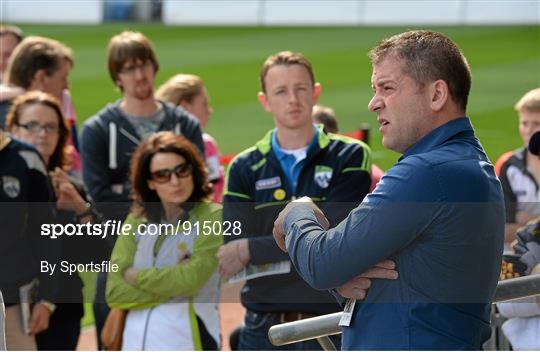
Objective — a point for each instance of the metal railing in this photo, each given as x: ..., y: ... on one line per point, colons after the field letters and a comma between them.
x: 322, y: 326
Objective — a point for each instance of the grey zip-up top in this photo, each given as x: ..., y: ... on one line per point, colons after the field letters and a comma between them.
x: 108, y: 140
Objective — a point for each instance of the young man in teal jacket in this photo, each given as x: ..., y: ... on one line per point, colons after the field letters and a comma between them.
x: 293, y: 160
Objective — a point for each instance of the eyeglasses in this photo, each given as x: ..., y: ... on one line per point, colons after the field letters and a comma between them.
x: 164, y: 175
x: 131, y: 69
x: 35, y: 127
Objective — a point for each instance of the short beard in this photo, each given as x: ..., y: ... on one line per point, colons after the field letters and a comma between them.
x: 145, y: 94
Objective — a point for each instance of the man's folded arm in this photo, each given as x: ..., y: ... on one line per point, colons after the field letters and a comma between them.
x: 386, y: 222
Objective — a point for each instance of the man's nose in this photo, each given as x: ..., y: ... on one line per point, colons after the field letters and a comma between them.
x: 139, y: 72
x: 375, y: 104
x: 293, y: 97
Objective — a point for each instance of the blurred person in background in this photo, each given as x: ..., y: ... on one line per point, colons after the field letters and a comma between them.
x: 520, y: 169
x: 43, y: 64
x: 110, y: 137
x: 168, y: 280
x: 189, y: 92
x: 25, y: 204
x: 327, y: 116
x: 37, y: 119
x: 523, y: 325
x: 10, y: 36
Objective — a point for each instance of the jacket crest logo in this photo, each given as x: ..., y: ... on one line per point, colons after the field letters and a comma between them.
x: 323, y: 175
x: 268, y: 183
x: 11, y: 185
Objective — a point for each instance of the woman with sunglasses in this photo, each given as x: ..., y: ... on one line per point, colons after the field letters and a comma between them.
x: 37, y: 119
x: 189, y: 92
x: 167, y: 277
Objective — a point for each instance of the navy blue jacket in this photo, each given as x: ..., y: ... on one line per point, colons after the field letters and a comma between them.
x: 439, y: 214
x: 26, y: 202
x: 336, y: 174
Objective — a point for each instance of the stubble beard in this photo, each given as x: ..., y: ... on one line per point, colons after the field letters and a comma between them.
x: 144, y: 93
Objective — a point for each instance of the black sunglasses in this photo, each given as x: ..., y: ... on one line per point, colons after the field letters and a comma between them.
x: 164, y: 175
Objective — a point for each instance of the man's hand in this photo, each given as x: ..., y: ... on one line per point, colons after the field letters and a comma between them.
x: 357, y: 286
x: 67, y: 197
x: 233, y: 257
x: 279, y: 224
x: 39, y: 320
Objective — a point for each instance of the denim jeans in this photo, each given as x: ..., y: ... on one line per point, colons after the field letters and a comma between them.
x: 254, y: 335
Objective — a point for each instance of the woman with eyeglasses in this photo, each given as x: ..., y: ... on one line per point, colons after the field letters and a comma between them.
x: 167, y: 268
x: 37, y: 119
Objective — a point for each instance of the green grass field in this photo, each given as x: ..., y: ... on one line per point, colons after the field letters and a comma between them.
x: 505, y: 62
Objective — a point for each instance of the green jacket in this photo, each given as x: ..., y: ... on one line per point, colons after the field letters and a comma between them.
x: 157, y: 285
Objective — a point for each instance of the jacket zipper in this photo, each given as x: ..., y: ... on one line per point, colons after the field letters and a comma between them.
x: 151, y: 309
x: 146, y: 328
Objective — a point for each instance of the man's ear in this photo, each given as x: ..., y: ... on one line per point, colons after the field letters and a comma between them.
x: 38, y: 81
x: 317, y: 89
x: 264, y: 102
x: 439, y: 95
x: 151, y: 185
x: 184, y: 104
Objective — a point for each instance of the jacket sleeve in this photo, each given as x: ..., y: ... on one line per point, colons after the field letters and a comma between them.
x: 373, y: 231
x: 94, y: 149
x: 41, y: 205
x: 238, y: 205
x: 510, y: 198
x: 521, y: 308
x: 83, y: 249
x: 188, y: 278
x: 351, y: 184
x: 119, y: 293
x: 263, y: 250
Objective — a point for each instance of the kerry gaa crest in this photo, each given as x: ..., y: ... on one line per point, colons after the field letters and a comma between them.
x: 11, y: 186
x: 323, y: 175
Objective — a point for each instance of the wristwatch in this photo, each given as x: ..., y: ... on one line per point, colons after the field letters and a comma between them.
x: 88, y: 212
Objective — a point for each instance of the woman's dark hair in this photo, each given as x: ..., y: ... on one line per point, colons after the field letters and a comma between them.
x: 146, y: 201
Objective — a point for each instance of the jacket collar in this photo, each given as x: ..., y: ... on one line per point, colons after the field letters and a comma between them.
x: 119, y: 118
x: 265, y: 144
x: 440, y: 135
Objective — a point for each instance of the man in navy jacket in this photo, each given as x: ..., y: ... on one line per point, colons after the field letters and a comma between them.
x: 438, y: 212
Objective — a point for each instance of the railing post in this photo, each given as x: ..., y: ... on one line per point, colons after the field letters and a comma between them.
x: 326, y: 343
